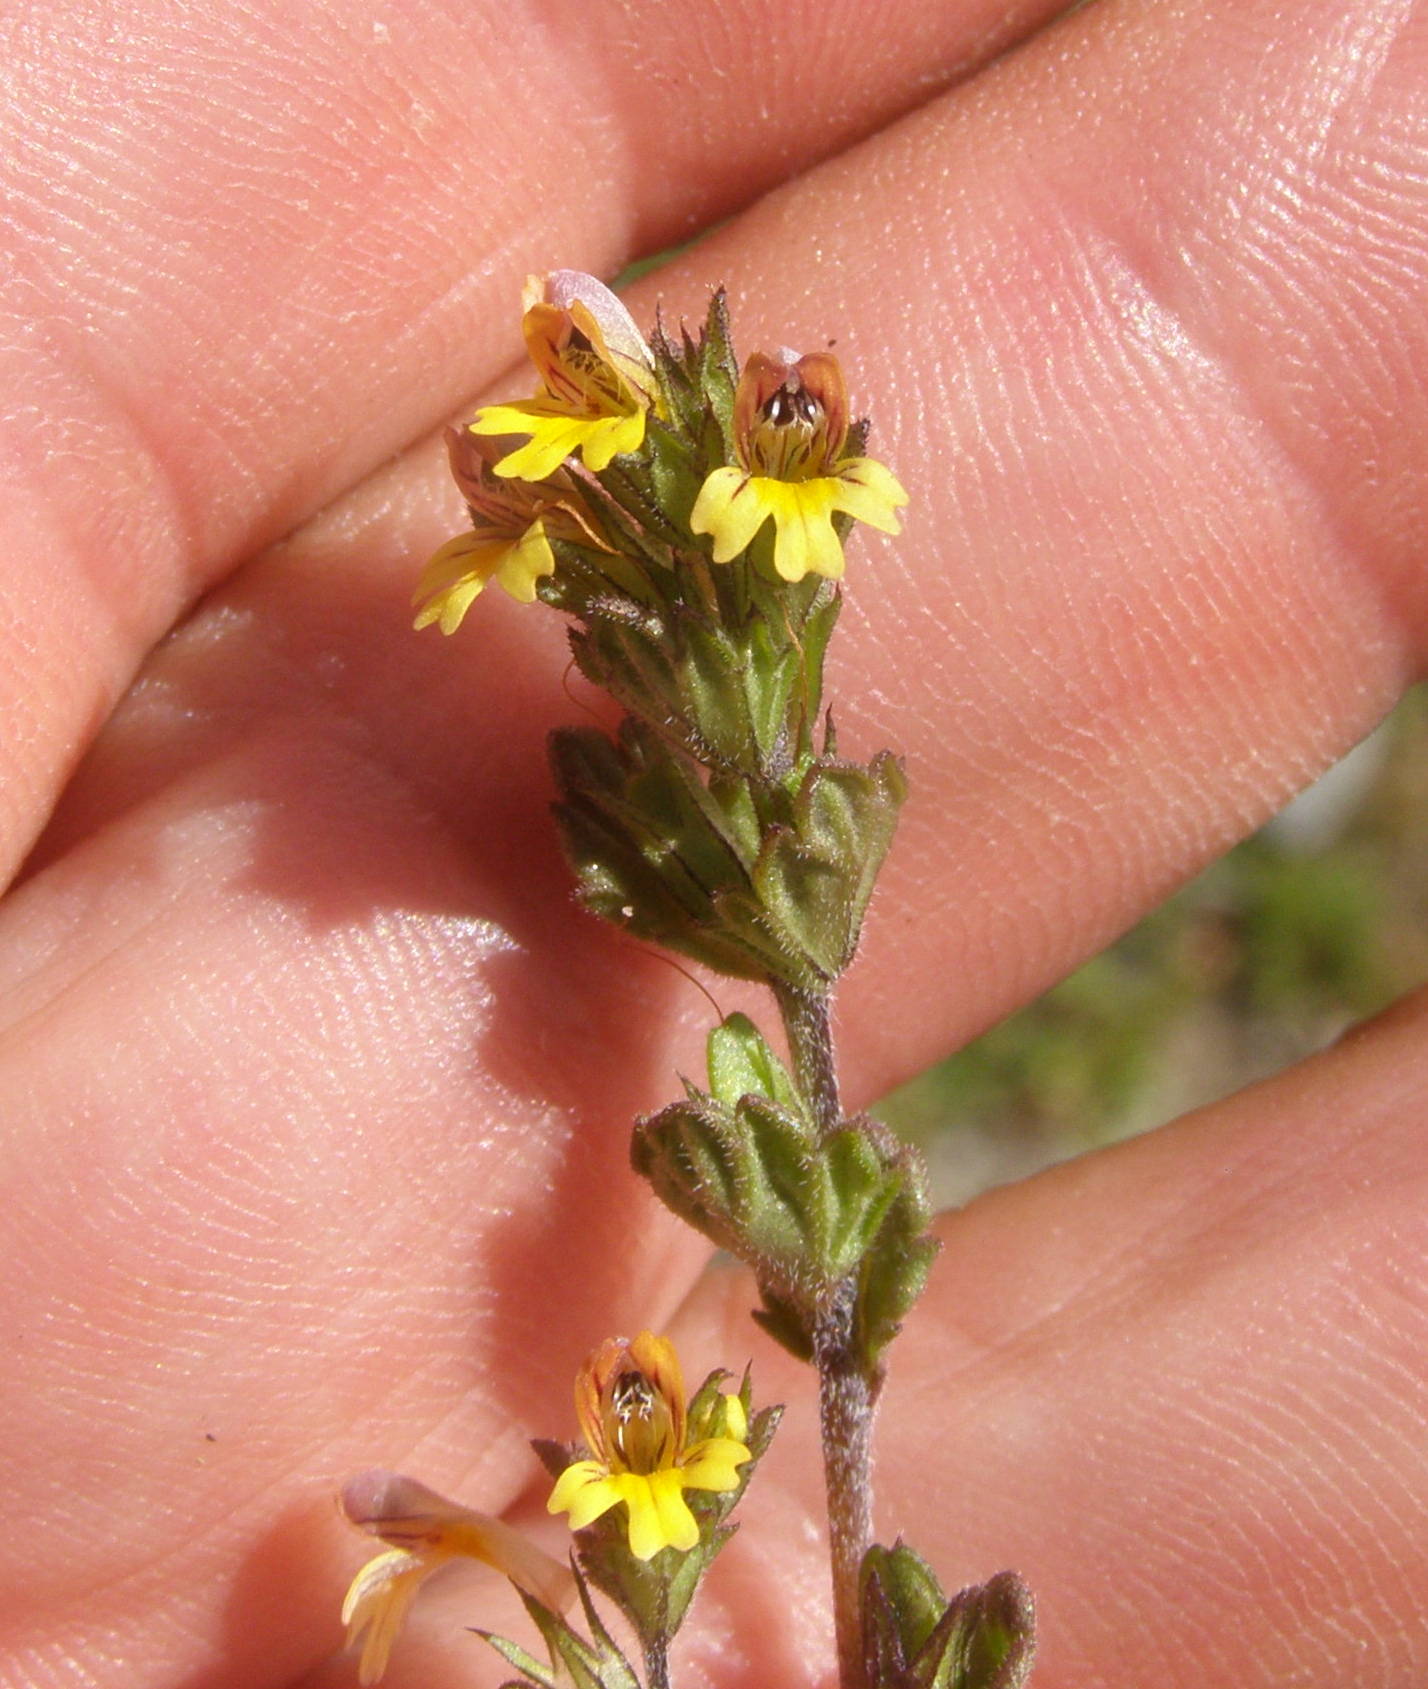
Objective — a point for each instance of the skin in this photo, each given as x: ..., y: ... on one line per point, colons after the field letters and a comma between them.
x: 315, y: 1091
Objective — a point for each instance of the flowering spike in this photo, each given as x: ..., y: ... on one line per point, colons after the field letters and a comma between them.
x: 719, y: 820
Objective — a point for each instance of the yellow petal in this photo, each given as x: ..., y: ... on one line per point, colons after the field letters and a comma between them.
x: 584, y: 1490
x: 557, y: 433
x: 678, y: 1525
x: 454, y: 578
x: 713, y: 1464
x: 659, y: 1515
x: 646, y: 1533
x: 377, y: 1604
x: 802, y: 512
x: 731, y: 509
x: 525, y: 563
x: 460, y: 571
x: 736, y: 1421
x: 518, y: 415
x: 467, y: 554
x: 606, y: 436
x: 870, y: 492
x: 554, y: 436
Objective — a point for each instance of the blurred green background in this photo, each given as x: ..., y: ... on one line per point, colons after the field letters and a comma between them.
x: 1319, y: 919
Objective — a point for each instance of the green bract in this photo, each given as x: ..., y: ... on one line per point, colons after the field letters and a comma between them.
x: 915, y: 1638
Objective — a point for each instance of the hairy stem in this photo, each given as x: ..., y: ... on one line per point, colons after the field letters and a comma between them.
x: 810, y: 1043
x: 845, y: 1406
x: 845, y: 1388
x: 657, y: 1661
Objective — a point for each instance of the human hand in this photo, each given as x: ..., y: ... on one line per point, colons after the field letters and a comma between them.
x: 316, y: 1088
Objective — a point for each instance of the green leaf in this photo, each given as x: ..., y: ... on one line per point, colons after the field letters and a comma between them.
x: 806, y: 1214
x: 817, y: 631
x: 787, y: 1322
x: 899, y: 1256
x: 733, y: 797
x: 735, y: 872
x: 769, y: 675
x: 513, y: 1654
x: 914, y: 1638
x: 656, y: 851
x: 735, y: 1174
x: 718, y: 376
x: 902, y: 1600
x: 985, y: 1640
x: 592, y: 1664
x: 741, y: 1064
x: 734, y: 686
x: 863, y: 1188
x: 755, y: 879
x: 675, y: 473
x: 814, y: 877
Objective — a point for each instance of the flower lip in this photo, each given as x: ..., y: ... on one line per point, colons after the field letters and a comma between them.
x: 512, y: 525
x: 597, y: 380
x: 500, y: 506
x: 409, y: 1517
x: 395, y: 1508
x: 585, y: 344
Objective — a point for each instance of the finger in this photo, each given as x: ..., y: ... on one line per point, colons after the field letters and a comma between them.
x: 1151, y: 367
x: 1129, y: 614
x: 1178, y: 1385
x: 1285, y: 743
x: 253, y: 1242
x: 250, y: 258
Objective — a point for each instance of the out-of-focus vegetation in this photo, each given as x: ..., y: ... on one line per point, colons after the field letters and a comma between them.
x: 1316, y: 921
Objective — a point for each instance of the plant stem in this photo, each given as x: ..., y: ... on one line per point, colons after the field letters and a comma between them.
x: 845, y: 1388
x: 845, y: 1408
x: 810, y: 1043
x: 656, y: 1662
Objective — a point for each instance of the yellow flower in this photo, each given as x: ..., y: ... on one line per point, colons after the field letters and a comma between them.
x: 629, y: 1400
x: 509, y: 542
x: 427, y: 1532
x: 597, y: 379
x: 790, y: 427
